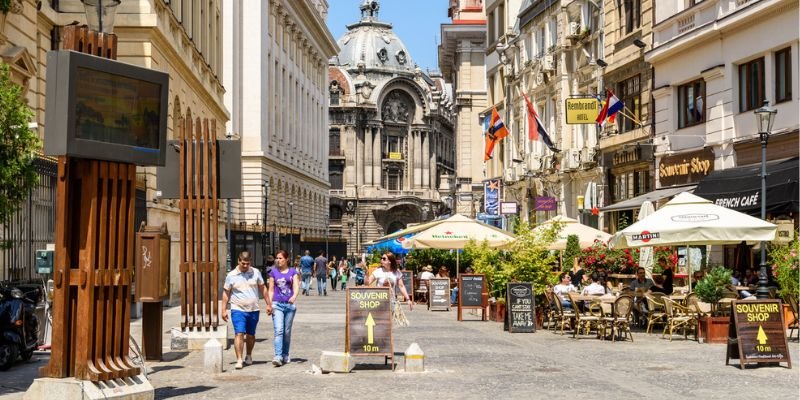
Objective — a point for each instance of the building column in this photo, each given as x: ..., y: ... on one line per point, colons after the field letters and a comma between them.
x: 418, y: 160
x: 368, y: 162
x: 432, y: 162
x: 377, y: 156
x: 426, y: 165
x: 359, y: 161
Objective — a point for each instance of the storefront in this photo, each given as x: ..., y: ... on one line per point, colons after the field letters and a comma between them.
x: 629, y: 176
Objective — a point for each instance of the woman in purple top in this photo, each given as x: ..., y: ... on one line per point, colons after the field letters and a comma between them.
x: 284, y: 283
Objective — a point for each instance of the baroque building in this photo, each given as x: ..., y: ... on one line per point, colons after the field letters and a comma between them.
x: 391, y: 142
x: 462, y: 62
x: 277, y: 93
x: 181, y: 38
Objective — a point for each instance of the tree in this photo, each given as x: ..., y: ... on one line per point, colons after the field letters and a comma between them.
x: 18, y: 147
x: 571, y: 252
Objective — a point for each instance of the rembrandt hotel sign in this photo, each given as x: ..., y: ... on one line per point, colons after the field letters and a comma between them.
x: 685, y: 168
x: 582, y: 110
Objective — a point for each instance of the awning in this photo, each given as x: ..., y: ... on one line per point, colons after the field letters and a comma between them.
x: 740, y: 188
x: 653, y: 196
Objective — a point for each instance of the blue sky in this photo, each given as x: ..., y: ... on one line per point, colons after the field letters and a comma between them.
x: 416, y: 22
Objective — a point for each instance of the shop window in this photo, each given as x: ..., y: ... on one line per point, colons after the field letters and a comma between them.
x: 783, y: 75
x: 630, y: 94
x: 691, y: 103
x: 751, y: 85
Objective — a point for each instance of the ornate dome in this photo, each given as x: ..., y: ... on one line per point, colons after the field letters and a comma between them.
x: 373, y: 43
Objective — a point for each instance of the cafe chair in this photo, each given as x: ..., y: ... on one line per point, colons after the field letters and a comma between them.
x: 678, y: 317
x: 619, y: 321
x: 583, y: 319
x: 657, y: 315
x: 693, y: 303
x: 551, y: 313
x: 421, y: 292
x: 564, y: 317
x: 793, y: 325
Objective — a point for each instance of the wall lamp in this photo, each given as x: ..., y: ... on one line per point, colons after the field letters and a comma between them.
x: 639, y: 43
x: 602, y: 63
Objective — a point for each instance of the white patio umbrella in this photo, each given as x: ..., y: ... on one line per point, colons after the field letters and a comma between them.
x: 586, y: 234
x: 646, y: 253
x: 455, y: 232
x: 691, y: 220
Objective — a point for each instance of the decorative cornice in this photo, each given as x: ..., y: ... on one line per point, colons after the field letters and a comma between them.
x: 715, y: 72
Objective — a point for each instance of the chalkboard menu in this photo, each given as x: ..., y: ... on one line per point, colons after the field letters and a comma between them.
x: 368, y: 321
x: 439, y: 294
x: 408, y: 282
x: 756, y: 333
x: 472, y: 293
x: 520, y: 304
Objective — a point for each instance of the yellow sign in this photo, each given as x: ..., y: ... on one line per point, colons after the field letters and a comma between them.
x: 395, y: 156
x: 582, y: 110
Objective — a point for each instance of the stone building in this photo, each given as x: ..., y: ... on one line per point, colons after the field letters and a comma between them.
x: 391, y: 141
x: 461, y: 60
x: 277, y: 94
x: 181, y: 38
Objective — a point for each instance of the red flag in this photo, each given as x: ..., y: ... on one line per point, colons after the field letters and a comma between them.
x: 533, y: 131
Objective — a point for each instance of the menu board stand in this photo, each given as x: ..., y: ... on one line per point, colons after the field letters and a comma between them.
x: 408, y: 282
x: 757, y: 333
x: 439, y: 294
x: 472, y: 294
x: 520, y: 306
x: 368, y: 323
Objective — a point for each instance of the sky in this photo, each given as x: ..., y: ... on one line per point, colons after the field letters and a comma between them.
x: 416, y: 22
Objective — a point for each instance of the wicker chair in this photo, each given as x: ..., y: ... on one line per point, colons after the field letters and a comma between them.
x: 620, y: 318
x: 656, y: 315
x: 678, y: 317
x: 694, y: 304
x: 422, y: 291
x: 583, y: 319
x: 563, y: 317
x: 793, y: 325
x: 551, y: 313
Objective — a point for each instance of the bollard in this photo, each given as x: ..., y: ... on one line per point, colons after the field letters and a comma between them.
x: 334, y: 361
x: 414, y: 359
x: 212, y: 357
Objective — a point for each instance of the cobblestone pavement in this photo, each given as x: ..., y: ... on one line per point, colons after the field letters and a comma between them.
x: 464, y: 360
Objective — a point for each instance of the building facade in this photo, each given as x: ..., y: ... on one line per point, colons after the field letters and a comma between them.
x: 391, y: 140
x: 461, y: 60
x: 180, y: 38
x: 278, y: 97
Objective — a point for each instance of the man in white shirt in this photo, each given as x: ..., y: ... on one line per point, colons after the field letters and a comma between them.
x: 427, y: 273
x: 595, y: 288
x: 563, y: 288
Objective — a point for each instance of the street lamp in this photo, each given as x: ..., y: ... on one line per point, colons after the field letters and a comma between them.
x: 765, y: 117
x: 291, y: 233
x: 350, y: 229
x: 100, y: 14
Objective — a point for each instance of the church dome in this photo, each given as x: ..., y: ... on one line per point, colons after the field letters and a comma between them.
x: 372, y: 42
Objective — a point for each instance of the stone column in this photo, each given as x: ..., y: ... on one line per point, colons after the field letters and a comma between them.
x: 418, y: 160
x: 426, y: 165
x: 368, y: 156
x: 377, y: 156
x: 433, y: 167
x: 348, y: 143
x: 359, y: 161
x: 409, y: 161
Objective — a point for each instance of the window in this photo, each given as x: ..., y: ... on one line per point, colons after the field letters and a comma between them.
x: 334, y: 139
x: 393, y: 181
x: 335, y: 212
x: 335, y: 97
x: 335, y: 178
x: 691, y: 103
x: 501, y: 23
x: 490, y: 28
x: 630, y: 94
x: 751, y: 85
x: 633, y: 12
x: 783, y: 75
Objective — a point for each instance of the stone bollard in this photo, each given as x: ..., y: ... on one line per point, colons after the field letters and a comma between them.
x: 212, y: 357
x: 414, y: 359
x: 334, y: 361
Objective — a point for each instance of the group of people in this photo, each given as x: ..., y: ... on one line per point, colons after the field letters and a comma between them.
x: 427, y: 274
x: 322, y: 269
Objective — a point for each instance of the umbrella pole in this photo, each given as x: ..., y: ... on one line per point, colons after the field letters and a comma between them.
x: 689, y: 268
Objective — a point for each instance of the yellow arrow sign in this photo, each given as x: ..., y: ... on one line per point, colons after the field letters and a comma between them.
x: 762, y: 336
x: 370, y: 328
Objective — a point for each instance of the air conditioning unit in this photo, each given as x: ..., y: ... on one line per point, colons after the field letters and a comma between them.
x: 587, y: 156
x: 574, y: 30
x: 549, y: 63
x: 571, y: 160
x: 510, y: 175
x: 534, y: 164
x: 547, y: 163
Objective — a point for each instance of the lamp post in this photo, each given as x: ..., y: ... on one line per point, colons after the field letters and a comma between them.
x: 291, y: 233
x: 350, y: 229
x: 264, y: 235
x: 765, y: 117
x: 100, y: 14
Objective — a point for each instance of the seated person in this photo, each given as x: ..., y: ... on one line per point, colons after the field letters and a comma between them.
x: 750, y: 278
x: 564, y: 287
x: 427, y: 273
x: 743, y: 294
x: 697, y: 276
x: 594, y: 288
x: 664, y: 283
x: 641, y: 281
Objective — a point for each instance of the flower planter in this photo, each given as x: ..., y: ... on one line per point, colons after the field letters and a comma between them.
x: 788, y: 317
x: 713, y: 329
x: 497, y: 311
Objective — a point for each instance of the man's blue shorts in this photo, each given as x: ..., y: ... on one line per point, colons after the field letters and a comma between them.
x: 244, y: 321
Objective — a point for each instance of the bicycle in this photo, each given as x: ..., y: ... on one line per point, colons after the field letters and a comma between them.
x: 135, y: 355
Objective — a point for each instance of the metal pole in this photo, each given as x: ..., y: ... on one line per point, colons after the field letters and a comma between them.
x: 762, y: 292
x: 229, y: 256
x: 264, y: 231
x: 327, y: 232
x: 291, y: 232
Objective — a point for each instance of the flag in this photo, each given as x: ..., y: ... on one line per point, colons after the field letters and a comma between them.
x: 495, y: 133
x: 610, y: 109
x: 536, y: 127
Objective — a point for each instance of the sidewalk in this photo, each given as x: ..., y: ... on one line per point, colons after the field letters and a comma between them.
x: 464, y: 360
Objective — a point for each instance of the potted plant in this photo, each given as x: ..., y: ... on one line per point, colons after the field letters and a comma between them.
x: 571, y: 252
x: 711, y: 289
x: 785, y: 262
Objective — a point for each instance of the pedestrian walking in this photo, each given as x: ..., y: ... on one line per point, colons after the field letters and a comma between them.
x: 389, y: 275
x: 333, y: 271
x: 241, y: 289
x: 344, y: 274
x: 306, y: 268
x: 284, y: 283
x: 321, y: 272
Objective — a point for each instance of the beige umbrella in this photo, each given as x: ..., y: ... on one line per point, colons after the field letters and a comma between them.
x: 646, y: 253
x: 586, y: 234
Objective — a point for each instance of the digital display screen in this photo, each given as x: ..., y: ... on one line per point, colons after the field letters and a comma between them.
x: 116, y: 109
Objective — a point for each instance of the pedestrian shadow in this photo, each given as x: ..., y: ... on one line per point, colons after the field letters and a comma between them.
x: 173, y: 355
x: 160, y: 368
x: 172, y: 391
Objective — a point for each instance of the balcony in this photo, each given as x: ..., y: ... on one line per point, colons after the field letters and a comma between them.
x: 392, y: 157
x: 673, y: 22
